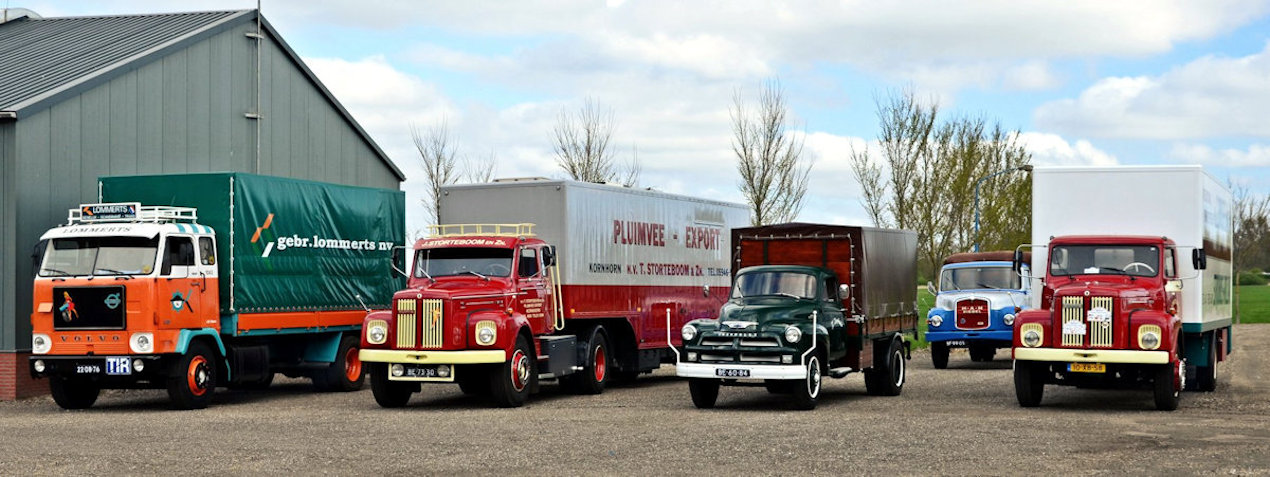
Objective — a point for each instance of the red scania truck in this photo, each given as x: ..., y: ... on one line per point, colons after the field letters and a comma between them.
x: 544, y: 279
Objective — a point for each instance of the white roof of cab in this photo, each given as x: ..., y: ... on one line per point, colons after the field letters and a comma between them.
x: 118, y: 229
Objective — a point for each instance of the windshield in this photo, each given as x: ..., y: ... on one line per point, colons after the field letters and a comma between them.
x: 791, y: 284
x: 99, y: 256
x: 1133, y: 260
x: 978, y: 278
x: 444, y: 262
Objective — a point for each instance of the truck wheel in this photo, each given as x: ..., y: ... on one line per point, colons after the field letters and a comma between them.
x: 807, y: 390
x: 1206, y: 376
x: 596, y: 369
x: 1028, y: 383
x: 192, y: 380
x: 939, y: 354
x: 345, y: 374
x: 510, y: 382
x: 473, y: 380
x: 887, y: 378
x: 704, y: 392
x: 1169, y: 380
x: 73, y: 393
x: 389, y: 393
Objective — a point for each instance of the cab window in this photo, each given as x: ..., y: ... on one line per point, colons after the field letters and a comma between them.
x: 180, y: 253
x: 528, y: 262
x: 1169, y: 268
x: 206, y: 251
x: 831, y: 289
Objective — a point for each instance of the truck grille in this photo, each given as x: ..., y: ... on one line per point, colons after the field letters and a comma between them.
x: 1098, y: 332
x: 972, y: 314
x: 420, y: 323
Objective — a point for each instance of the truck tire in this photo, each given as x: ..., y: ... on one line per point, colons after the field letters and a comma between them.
x: 1166, y: 385
x: 704, y: 392
x: 1029, y: 384
x: 72, y: 393
x: 596, y: 369
x: 192, y: 380
x: 388, y: 393
x: 510, y: 382
x: 1206, y: 376
x: 346, y: 373
x: 473, y: 380
x: 807, y: 390
x: 939, y: 354
x: 889, y: 372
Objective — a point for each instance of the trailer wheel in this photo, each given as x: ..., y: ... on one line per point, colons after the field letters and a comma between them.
x: 1168, y: 383
x: 1028, y: 383
x: 596, y: 368
x: 346, y: 373
x: 389, y: 393
x: 704, y: 392
x: 1206, y: 376
x: 510, y: 382
x: 192, y: 380
x: 939, y: 354
x: 807, y: 390
x: 887, y: 378
x: 72, y: 393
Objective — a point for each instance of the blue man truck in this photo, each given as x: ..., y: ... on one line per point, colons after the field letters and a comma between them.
x: 975, y: 304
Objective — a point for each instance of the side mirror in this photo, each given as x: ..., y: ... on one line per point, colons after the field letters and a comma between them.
x: 397, y: 254
x: 1018, y: 261
x: 549, y: 256
x: 1199, y: 259
x: 930, y: 287
x: 844, y: 292
x: 705, y: 291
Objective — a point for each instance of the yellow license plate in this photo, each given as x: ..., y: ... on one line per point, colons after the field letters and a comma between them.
x: 1087, y: 368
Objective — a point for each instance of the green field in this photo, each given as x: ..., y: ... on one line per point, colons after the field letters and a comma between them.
x: 1254, y: 304
x: 924, y: 303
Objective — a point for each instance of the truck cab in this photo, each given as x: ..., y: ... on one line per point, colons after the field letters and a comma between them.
x: 1109, y: 318
x: 976, y: 301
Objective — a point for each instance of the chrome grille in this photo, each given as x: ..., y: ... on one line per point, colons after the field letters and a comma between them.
x: 406, y: 323
x: 1073, y: 310
x: 713, y: 341
x: 751, y: 358
x: 760, y: 342
x: 432, y: 324
x: 1100, y: 332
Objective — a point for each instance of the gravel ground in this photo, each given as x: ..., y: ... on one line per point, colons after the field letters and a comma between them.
x: 962, y: 420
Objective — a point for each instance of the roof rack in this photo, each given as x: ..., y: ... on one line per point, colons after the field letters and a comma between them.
x: 131, y: 212
x: 497, y: 230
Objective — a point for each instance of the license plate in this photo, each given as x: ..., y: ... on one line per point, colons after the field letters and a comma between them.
x: 87, y: 369
x: 732, y: 373
x: 1087, y: 367
x: 118, y: 366
x: 955, y: 343
x: 421, y: 372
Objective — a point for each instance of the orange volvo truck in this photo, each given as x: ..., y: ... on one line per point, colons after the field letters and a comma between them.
x: 219, y: 279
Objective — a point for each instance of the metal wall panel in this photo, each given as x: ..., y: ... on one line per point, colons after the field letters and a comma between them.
x: 8, y: 253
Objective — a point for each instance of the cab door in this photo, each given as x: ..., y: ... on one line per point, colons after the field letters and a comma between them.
x: 180, y: 285
x: 534, y: 289
x: 208, y: 291
x: 833, y: 318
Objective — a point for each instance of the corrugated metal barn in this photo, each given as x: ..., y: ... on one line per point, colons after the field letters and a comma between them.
x: 83, y: 97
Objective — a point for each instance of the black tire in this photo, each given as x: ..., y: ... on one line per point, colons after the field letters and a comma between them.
x: 388, y: 393
x: 1206, y: 376
x: 704, y: 392
x: 1029, y: 383
x: 807, y: 390
x: 473, y: 380
x: 192, y: 380
x: 510, y: 382
x: 72, y: 393
x: 597, y: 368
x: 1167, y: 393
x: 939, y: 354
x: 346, y: 373
x: 889, y: 372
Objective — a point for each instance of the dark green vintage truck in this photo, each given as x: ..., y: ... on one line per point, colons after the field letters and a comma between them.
x: 808, y: 301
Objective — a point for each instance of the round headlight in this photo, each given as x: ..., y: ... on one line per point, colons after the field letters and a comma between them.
x: 486, y: 331
x: 40, y: 343
x: 793, y: 334
x: 935, y: 321
x: 38, y: 365
x: 398, y: 370
x: 141, y: 342
x: 377, y: 332
x: 1008, y: 319
x: 1031, y: 338
x: 688, y: 332
x: 138, y: 365
x: 443, y: 370
x: 1150, y: 340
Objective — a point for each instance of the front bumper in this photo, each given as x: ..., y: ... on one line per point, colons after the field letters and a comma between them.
x: 432, y: 357
x: 1003, y: 336
x: 757, y: 371
x: 1091, y: 355
x: 94, y: 368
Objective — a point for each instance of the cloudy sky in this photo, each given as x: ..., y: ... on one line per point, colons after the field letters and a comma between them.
x: 1085, y: 82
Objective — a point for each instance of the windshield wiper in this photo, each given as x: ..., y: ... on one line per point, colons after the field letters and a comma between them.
x: 112, y: 271
x: 475, y: 273
x: 54, y: 270
x: 987, y: 287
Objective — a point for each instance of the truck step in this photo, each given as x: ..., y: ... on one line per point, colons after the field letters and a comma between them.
x: 840, y: 372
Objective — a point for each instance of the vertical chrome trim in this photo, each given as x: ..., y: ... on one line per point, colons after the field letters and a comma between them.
x: 1073, y: 310
x: 1100, y: 332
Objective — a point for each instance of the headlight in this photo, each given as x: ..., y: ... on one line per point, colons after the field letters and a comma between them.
x: 1031, y: 335
x: 41, y: 343
x: 377, y: 332
x: 397, y: 370
x: 142, y: 342
x: 1149, y: 337
x: 1008, y: 319
x: 688, y: 332
x: 443, y: 370
x: 138, y: 365
x: 793, y: 334
x: 38, y: 365
x: 486, y: 332
x: 935, y: 321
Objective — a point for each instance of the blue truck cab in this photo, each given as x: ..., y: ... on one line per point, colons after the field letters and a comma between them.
x: 978, y: 296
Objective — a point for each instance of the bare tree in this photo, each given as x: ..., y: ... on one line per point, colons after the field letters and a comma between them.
x: 440, y: 166
x: 481, y: 168
x: 582, y: 146
x: 773, y: 171
x: 1252, y: 230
